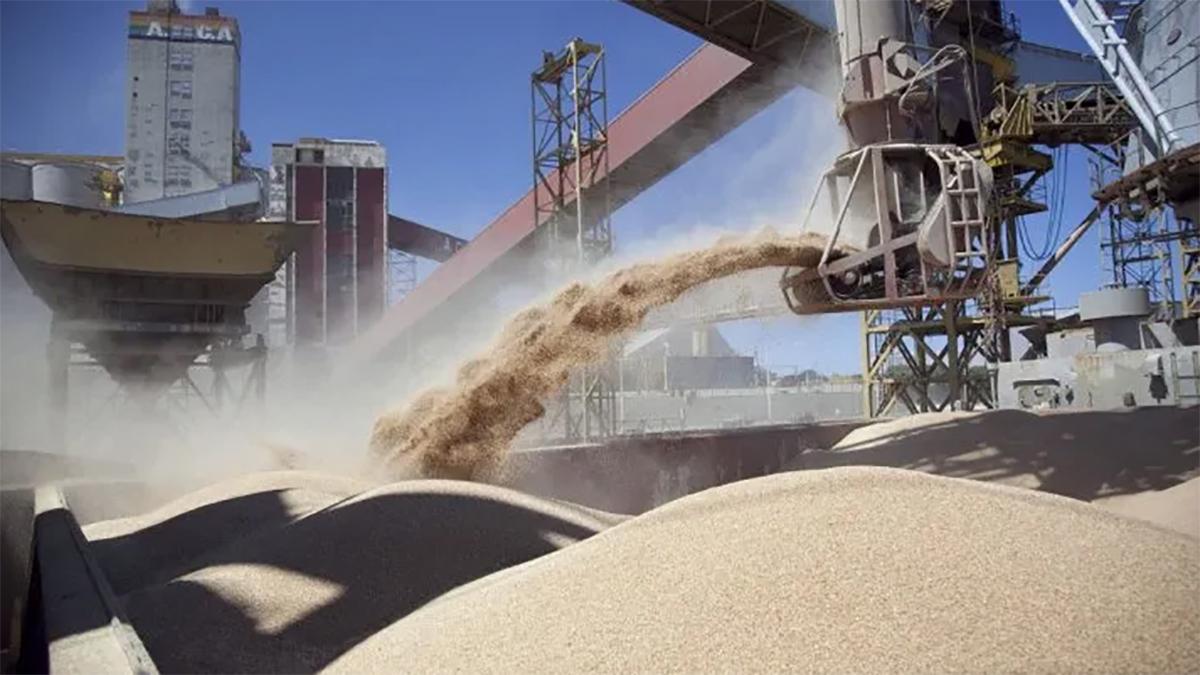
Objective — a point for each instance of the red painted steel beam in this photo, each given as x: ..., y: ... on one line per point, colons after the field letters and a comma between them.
x: 421, y: 241
x: 703, y: 98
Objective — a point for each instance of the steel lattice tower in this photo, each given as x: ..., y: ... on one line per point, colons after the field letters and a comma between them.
x: 572, y: 205
x: 1138, y: 245
x: 570, y: 153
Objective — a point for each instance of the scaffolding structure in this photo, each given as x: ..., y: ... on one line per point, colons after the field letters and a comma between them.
x: 401, y: 275
x: 587, y: 406
x: 937, y: 357
x: 572, y: 208
x: 921, y: 357
x: 926, y: 356
x: 227, y: 382
x: 926, y: 361
x: 1189, y: 252
x: 1143, y: 242
x: 572, y: 205
x: 1138, y: 251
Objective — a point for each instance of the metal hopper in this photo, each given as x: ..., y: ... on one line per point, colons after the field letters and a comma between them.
x: 144, y: 295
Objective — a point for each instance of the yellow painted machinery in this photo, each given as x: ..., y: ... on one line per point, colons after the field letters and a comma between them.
x: 144, y: 295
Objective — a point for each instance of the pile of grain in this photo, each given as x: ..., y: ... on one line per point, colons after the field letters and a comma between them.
x: 462, y: 432
x: 142, y: 550
x: 1086, y: 455
x: 847, y: 570
x: 1177, y: 508
x: 293, y: 598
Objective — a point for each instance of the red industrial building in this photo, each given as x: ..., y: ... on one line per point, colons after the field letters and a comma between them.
x: 337, y: 281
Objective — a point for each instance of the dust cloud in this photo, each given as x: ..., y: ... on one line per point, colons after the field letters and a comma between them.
x: 26, y: 421
x: 317, y: 412
x: 463, y: 431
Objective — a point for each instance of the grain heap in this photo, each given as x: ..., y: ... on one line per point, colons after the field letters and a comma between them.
x: 843, y: 570
x: 463, y: 431
x: 1177, y: 507
x: 1087, y: 455
x: 141, y: 550
x: 294, y: 597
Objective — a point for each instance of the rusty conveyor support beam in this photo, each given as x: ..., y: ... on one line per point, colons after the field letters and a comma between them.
x: 697, y: 103
x: 420, y: 240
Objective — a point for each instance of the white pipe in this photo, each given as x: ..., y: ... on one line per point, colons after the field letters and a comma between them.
x: 1153, y: 120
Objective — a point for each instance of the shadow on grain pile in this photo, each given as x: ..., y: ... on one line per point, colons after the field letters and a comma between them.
x: 294, y: 597
x: 1086, y: 455
x: 463, y: 431
x: 169, y: 541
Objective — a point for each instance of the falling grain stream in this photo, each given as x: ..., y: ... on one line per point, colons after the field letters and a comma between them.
x: 463, y: 431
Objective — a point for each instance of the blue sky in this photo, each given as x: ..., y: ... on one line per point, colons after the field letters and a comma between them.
x: 445, y: 86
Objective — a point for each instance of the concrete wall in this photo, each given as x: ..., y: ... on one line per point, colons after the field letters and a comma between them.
x: 182, y: 104
x: 145, y: 119
x: 1102, y: 380
x: 714, y: 409
x: 703, y: 410
x: 214, y: 132
x: 633, y: 474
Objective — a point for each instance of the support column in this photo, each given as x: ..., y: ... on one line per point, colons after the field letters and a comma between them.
x: 260, y: 374
x: 58, y: 361
x: 868, y: 372
x: 924, y: 369
x: 572, y: 204
x: 950, y: 316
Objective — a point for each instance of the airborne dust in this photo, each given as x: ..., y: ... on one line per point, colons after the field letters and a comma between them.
x: 464, y: 430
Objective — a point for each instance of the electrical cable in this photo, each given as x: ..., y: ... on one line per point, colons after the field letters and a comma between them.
x: 1054, y: 214
x: 1056, y: 199
x: 1065, y: 170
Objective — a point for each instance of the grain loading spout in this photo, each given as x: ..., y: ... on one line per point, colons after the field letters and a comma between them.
x: 908, y: 207
x: 912, y: 219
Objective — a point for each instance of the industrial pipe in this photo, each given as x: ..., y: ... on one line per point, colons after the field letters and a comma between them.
x: 1162, y: 132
